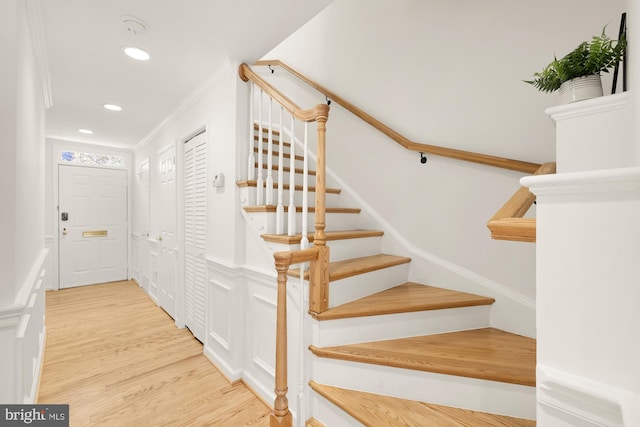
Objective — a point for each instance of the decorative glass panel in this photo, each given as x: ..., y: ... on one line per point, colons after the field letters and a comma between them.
x: 92, y: 159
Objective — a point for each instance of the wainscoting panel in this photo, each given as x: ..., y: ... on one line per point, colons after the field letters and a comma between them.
x: 22, y: 335
x: 224, y: 334
x: 220, y: 313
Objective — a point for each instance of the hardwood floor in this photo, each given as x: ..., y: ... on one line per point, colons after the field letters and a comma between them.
x: 117, y: 359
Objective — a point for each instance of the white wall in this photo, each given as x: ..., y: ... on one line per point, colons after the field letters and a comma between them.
x: 29, y: 157
x: 22, y: 221
x: 215, y: 109
x: 449, y: 74
x: 8, y: 130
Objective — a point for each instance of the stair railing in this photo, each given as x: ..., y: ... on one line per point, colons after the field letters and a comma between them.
x: 508, y: 223
x: 318, y: 255
x: 485, y: 159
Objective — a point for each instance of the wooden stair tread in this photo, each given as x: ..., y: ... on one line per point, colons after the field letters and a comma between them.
x: 352, y: 267
x: 312, y: 189
x: 404, y: 298
x: 312, y: 422
x: 285, y: 168
x: 330, y: 235
x: 488, y: 354
x: 377, y: 410
x: 272, y: 208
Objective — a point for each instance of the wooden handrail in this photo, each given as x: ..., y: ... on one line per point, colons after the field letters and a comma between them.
x: 309, y: 115
x: 507, y: 223
x: 281, y: 416
x: 485, y: 159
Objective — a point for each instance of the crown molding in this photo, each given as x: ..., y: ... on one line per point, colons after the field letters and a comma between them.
x: 34, y: 15
x: 190, y: 101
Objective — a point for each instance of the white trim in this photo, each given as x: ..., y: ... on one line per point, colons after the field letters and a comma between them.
x: 581, y: 398
x: 196, y: 96
x: 224, y: 267
x: 32, y: 280
x: 34, y: 16
x: 609, y: 181
x: 231, y: 374
x: 57, y: 148
x: 589, y: 107
x: 109, y: 145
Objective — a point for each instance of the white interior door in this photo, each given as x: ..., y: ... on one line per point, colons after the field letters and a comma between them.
x: 195, y: 221
x: 92, y: 225
x: 167, y: 239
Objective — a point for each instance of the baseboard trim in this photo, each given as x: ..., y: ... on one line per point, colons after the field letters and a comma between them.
x: 232, y: 375
x: 580, y: 398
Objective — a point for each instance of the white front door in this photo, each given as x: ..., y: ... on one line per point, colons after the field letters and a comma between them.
x: 167, y: 240
x: 92, y: 225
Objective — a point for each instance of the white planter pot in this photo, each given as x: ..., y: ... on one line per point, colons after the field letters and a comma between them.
x: 580, y: 88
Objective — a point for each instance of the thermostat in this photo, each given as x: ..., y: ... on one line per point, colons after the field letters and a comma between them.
x: 218, y: 180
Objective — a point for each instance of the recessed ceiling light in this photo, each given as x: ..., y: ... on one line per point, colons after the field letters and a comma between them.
x: 112, y: 107
x: 136, y: 53
x: 87, y: 131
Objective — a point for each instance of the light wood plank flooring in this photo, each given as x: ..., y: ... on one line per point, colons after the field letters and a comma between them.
x: 119, y: 360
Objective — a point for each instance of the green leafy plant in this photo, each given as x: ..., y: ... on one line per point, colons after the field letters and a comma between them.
x: 592, y: 57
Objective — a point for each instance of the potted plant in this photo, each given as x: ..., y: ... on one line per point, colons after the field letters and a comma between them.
x: 577, y: 74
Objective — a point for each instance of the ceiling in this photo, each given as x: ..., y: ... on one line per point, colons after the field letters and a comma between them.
x: 190, y: 41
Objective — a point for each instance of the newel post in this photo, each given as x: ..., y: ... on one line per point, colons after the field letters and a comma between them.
x: 281, y: 417
x: 319, y: 269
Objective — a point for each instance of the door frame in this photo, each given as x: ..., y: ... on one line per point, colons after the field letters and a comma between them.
x: 58, y: 148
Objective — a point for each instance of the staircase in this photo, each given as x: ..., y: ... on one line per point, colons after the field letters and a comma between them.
x: 389, y: 352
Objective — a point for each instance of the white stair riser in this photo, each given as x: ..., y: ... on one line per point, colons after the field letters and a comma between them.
x: 285, y: 177
x: 287, y: 161
x: 468, y: 393
x: 333, y: 221
x: 351, y: 288
x: 400, y: 325
x: 340, y: 249
x: 249, y: 194
x: 354, y: 248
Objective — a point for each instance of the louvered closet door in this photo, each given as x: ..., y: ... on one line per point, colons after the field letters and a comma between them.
x: 195, y: 222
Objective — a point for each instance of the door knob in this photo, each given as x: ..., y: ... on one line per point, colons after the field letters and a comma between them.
x: 64, y: 231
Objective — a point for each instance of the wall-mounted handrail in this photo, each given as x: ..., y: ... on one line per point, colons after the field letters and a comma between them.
x: 485, y: 159
x: 507, y: 223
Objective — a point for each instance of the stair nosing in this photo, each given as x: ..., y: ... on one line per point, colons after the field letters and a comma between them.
x: 330, y: 236
x: 273, y: 208
x: 342, y: 311
x: 285, y: 169
x: 371, y: 415
x: 463, y: 370
x: 391, y: 261
x: 312, y: 189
